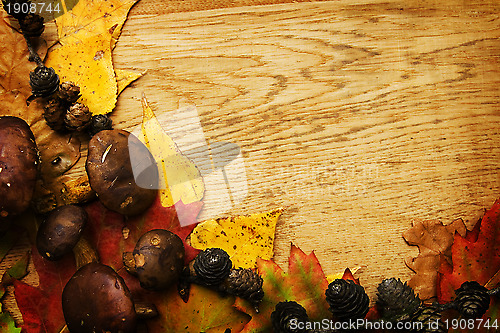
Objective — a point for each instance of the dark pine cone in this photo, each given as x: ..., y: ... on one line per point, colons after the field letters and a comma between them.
x: 212, y: 266
x: 245, y: 283
x: 472, y: 300
x: 286, y: 317
x: 32, y: 25
x: 430, y: 319
x: 44, y: 81
x: 396, y: 301
x: 78, y: 117
x: 54, y: 113
x: 11, y: 7
x: 99, y: 123
x: 347, y: 300
x: 69, y: 92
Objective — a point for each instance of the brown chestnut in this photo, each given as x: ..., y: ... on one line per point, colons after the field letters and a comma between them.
x: 96, y: 299
x: 159, y: 259
x: 61, y: 231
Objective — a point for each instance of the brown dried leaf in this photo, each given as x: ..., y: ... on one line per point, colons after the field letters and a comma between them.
x: 433, y: 240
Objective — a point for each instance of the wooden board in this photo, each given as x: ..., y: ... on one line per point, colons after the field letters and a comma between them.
x: 357, y: 116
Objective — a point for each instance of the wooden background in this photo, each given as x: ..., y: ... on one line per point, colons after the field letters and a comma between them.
x: 356, y: 116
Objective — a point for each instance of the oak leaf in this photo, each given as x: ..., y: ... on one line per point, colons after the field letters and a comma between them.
x: 245, y: 238
x: 434, y: 240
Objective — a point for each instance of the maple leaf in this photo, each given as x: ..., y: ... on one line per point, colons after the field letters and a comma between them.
x: 434, y: 240
x: 304, y: 283
x: 41, y: 306
x: 245, y: 238
x: 475, y: 257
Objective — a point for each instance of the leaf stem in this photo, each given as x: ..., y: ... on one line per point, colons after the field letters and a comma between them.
x: 33, y: 56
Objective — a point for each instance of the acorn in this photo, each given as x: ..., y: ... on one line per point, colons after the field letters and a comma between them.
x: 99, y: 122
x: 286, y: 317
x: 472, y: 300
x: 44, y: 81
x: 347, y: 300
x: 32, y: 25
x: 78, y: 117
x: 396, y: 300
x: 245, y: 283
x: 212, y: 266
x: 430, y: 319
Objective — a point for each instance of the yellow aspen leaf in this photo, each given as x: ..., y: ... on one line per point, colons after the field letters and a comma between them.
x: 125, y: 77
x: 179, y: 177
x: 245, y: 238
x: 87, y: 62
x: 94, y: 17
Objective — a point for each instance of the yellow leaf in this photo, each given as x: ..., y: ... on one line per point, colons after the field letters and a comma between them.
x: 94, y: 17
x: 125, y: 77
x: 245, y: 238
x: 179, y: 177
x: 87, y: 62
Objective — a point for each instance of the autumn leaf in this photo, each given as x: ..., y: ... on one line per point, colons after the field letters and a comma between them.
x: 14, y: 64
x: 206, y: 311
x: 125, y: 77
x: 245, y: 238
x: 41, y: 306
x: 304, y: 283
x: 475, y: 257
x: 179, y: 180
x: 93, y: 17
x: 434, y: 240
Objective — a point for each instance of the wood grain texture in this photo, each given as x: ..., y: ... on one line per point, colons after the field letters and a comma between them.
x: 355, y: 116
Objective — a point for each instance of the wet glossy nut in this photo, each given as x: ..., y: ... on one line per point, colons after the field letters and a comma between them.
x: 111, y: 173
x: 159, y: 259
x: 61, y: 231
x: 96, y: 299
x: 18, y: 166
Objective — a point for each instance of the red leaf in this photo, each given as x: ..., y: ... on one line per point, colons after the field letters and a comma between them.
x: 41, y: 306
x: 304, y: 283
x: 475, y: 257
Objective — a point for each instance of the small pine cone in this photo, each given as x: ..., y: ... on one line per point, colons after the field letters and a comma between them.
x: 44, y: 81
x: 69, y: 92
x: 430, y: 319
x: 212, y: 266
x: 99, y: 123
x: 245, y: 283
x: 32, y: 25
x: 472, y: 300
x: 347, y: 300
x: 54, y: 113
x: 78, y: 117
x: 397, y: 301
x: 11, y: 7
x: 286, y: 317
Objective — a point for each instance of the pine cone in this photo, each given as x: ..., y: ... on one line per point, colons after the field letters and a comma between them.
x: 32, y: 25
x: 69, y: 92
x: 54, y: 113
x: 99, y: 123
x: 245, y: 283
x: 212, y: 266
x: 397, y: 301
x: 44, y: 81
x: 430, y: 319
x: 11, y: 7
x: 287, y: 315
x: 78, y: 117
x: 347, y: 300
x: 472, y: 300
